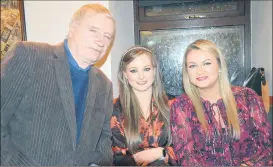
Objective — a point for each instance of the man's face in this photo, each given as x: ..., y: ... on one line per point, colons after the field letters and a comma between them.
x: 90, y: 38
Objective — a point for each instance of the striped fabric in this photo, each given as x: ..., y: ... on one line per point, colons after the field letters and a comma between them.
x: 38, y: 124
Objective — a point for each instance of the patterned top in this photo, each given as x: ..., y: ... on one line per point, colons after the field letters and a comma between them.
x: 152, y: 136
x: 194, y: 148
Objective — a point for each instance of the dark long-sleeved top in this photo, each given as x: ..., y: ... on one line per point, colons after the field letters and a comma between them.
x: 152, y: 135
x: 194, y: 148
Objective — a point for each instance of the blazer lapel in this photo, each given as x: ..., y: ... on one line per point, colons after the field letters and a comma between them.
x: 64, y: 81
x: 92, y: 90
x: 88, y: 119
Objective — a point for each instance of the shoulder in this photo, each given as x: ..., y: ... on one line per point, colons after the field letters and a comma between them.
x: 32, y: 46
x: 117, y: 105
x: 116, y: 102
x: 23, y: 53
x: 117, y: 112
x: 105, y: 85
x: 170, y: 102
x: 101, y: 76
x: 181, y: 107
x: 33, y: 50
x: 24, y: 49
x: 181, y: 100
x: 239, y: 91
x: 246, y: 97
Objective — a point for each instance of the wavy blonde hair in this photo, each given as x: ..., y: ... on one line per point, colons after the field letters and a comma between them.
x: 225, y: 87
x: 129, y: 102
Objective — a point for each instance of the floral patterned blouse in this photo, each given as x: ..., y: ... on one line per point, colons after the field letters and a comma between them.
x: 194, y: 148
x: 152, y: 136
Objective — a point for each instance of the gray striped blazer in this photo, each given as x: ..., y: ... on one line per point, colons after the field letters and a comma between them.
x: 38, y: 122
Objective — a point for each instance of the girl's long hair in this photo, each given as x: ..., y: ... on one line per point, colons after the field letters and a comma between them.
x: 130, y: 104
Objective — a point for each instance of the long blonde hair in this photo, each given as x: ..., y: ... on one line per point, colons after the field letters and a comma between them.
x: 129, y: 102
x: 225, y: 87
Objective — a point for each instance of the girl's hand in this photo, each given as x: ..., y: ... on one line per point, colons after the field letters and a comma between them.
x: 147, y: 156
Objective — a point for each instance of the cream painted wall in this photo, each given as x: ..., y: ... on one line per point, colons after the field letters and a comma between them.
x: 47, y: 21
x: 123, y: 13
x: 261, y: 37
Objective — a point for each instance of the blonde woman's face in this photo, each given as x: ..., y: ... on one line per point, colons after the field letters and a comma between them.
x: 140, y: 73
x: 203, y: 69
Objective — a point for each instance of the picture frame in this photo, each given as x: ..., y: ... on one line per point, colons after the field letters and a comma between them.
x: 12, y: 24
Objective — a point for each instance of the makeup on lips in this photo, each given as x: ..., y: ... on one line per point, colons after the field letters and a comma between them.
x: 201, y: 78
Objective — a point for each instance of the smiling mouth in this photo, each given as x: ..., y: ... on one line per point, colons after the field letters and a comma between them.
x: 142, y: 83
x: 201, y: 78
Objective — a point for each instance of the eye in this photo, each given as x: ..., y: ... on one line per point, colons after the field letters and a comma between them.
x: 108, y: 37
x: 133, y: 71
x: 207, y: 63
x: 93, y: 30
x: 192, y: 66
x: 147, y: 69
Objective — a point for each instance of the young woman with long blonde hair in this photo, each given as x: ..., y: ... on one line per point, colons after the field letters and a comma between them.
x: 214, y: 123
x: 140, y: 121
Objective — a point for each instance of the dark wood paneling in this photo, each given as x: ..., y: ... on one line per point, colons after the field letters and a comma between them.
x: 240, y: 17
x: 191, y: 23
x: 239, y: 12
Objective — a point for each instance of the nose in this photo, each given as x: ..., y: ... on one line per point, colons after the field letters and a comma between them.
x: 99, y: 40
x: 140, y: 75
x: 200, y: 70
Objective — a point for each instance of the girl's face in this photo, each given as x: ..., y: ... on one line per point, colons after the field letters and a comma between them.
x: 203, y: 69
x: 140, y: 73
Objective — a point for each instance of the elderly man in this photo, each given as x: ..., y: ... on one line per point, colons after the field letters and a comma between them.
x: 55, y: 106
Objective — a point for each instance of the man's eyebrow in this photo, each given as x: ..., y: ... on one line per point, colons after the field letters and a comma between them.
x: 94, y: 27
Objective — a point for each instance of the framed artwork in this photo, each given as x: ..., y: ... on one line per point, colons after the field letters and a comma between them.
x: 12, y: 24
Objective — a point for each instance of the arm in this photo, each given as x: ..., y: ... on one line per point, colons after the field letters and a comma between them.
x: 15, y: 71
x: 122, y: 157
x: 151, y: 155
x: 259, y: 151
x: 103, y: 154
x: 163, y: 154
x: 181, y: 137
x: 170, y: 156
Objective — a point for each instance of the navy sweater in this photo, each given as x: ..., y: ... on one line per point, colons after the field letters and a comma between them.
x: 80, y: 83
